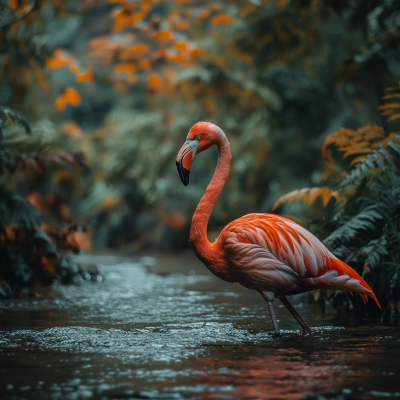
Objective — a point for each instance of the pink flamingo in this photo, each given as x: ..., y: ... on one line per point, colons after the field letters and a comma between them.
x: 264, y: 252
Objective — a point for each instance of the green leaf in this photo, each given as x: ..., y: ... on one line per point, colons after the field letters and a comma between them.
x: 394, y: 146
x: 14, y: 209
x: 42, y: 242
x: 387, y: 155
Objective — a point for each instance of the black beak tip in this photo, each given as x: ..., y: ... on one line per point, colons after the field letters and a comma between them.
x: 183, y: 173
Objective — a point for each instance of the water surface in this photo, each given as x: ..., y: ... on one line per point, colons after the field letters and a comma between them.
x: 165, y: 328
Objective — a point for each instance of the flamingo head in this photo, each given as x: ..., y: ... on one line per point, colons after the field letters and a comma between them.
x: 201, y: 137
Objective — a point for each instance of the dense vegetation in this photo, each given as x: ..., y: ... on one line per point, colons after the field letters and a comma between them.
x: 299, y: 88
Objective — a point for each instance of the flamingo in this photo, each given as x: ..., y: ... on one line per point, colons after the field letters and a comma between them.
x: 263, y: 252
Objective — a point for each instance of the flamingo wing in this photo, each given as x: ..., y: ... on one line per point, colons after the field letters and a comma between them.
x: 267, y: 244
x: 257, y: 268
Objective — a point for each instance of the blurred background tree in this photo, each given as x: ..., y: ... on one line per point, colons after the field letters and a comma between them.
x: 123, y: 81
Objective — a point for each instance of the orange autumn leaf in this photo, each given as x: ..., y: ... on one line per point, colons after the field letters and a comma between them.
x: 98, y: 42
x: 195, y: 53
x: 71, y: 129
x: 54, y: 63
x: 85, y: 76
x: 178, y: 58
x: 182, y: 25
x: 163, y: 35
x: 60, y: 59
x: 155, y: 81
x: 83, y: 239
x: 222, y: 19
x: 69, y: 95
x: 124, y: 67
x: 181, y: 45
x: 144, y: 64
x: 140, y: 16
x: 204, y: 15
x: 122, y: 19
x: 74, y: 68
x: 134, y: 52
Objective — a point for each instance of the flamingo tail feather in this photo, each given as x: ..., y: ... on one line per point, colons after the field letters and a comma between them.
x: 342, y: 269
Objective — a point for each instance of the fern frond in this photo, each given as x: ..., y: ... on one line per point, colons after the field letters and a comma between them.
x: 43, y: 242
x: 15, y: 142
x: 308, y: 195
x: 389, y: 108
x: 362, y: 169
x: 393, y: 117
x: 354, y: 145
x: 391, y: 96
x: 366, y: 220
x: 376, y: 251
x: 14, y: 209
x: 389, y: 105
x: 10, y: 118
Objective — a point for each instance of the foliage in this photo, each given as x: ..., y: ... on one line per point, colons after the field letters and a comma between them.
x: 308, y: 195
x: 29, y: 253
x: 25, y: 43
x: 364, y: 228
x: 391, y: 109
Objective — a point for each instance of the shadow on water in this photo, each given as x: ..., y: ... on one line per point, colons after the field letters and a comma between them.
x: 168, y: 329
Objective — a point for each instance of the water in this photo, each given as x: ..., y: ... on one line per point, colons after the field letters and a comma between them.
x: 165, y: 328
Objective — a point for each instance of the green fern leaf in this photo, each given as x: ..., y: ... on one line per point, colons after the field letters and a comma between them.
x: 378, y: 159
x: 367, y: 219
x: 394, y: 146
x: 369, y: 163
x: 14, y: 209
x: 377, y: 250
x: 387, y: 155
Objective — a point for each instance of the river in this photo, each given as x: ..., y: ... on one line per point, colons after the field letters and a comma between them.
x: 164, y: 327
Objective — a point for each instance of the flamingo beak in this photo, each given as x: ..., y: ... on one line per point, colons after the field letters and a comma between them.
x: 184, y: 160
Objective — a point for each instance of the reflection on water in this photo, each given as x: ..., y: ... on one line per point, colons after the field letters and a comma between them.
x: 170, y: 330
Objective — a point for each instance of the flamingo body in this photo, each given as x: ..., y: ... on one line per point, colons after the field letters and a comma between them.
x: 264, y: 252
x: 269, y: 253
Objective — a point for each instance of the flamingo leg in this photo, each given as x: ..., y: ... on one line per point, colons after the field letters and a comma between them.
x: 271, y: 311
x: 273, y: 316
x: 306, y: 328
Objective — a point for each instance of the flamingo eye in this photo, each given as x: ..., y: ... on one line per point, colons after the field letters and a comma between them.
x: 198, y: 137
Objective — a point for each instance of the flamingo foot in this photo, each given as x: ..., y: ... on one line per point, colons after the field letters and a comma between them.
x: 306, y: 330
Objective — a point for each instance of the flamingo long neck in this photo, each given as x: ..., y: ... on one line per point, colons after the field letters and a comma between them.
x: 198, y: 231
